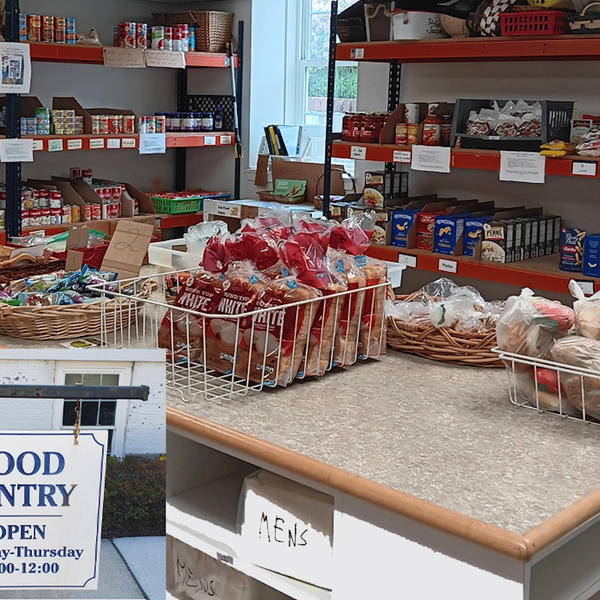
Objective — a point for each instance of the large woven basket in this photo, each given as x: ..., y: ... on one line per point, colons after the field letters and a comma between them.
x: 74, y: 321
x: 446, y: 345
x: 213, y: 27
x: 29, y: 270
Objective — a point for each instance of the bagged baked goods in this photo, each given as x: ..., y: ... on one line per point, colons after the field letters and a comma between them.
x: 587, y: 312
x: 530, y: 325
x: 540, y: 387
x: 373, y: 326
x: 182, y: 333
x: 584, y: 353
x: 273, y: 342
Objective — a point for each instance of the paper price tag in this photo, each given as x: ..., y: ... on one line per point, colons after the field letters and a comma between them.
x: 74, y: 144
x: 588, y: 169
x: 357, y: 53
x: 409, y: 261
x: 124, y: 57
x: 96, y: 143
x: 225, y: 140
x: 162, y: 58
x: 587, y: 287
x: 358, y: 152
x: 128, y: 143
x: 210, y: 140
x: 448, y: 266
x: 55, y: 145
x: 113, y: 143
x: 38, y: 145
x: 16, y: 150
x: 402, y: 156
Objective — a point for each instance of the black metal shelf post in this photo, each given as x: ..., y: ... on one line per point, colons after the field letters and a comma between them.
x: 13, y: 130
x: 395, y: 81
x: 181, y: 153
x: 239, y: 84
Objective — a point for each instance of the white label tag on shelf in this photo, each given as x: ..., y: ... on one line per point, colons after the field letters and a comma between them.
x: 55, y: 145
x: 448, y: 266
x: 124, y: 57
x: 128, y: 143
x: 432, y: 159
x: 225, y: 140
x: 162, y: 58
x: 587, y: 287
x: 525, y: 167
x: 16, y: 151
x: 113, y: 143
x: 96, y: 143
x: 74, y: 144
x: 409, y: 261
x: 222, y: 209
x: 357, y: 53
x: 210, y: 140
x: 38, y: 145
x: 585, y: 168
x: 153, y: 143
x: 358, y: 152
x: 402, y: 156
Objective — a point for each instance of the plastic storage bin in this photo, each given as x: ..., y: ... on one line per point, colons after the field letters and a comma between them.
x: 162, y: 254
x: 416, y: 25
x: 537, y: 22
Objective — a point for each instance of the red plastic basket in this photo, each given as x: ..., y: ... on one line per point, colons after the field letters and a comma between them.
x: 92, y: 257
x: 534, y: 22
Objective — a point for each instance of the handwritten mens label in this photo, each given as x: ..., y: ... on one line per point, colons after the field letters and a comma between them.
x: 409, y: 261
x: 402, y: 156
x: 525, y: 167
x: 97, y: 143
x: 38, y: 145
x: 74, y: 144
x: 55, y: 145
x: 124, y: 57
x: 358, y: 152
x: 162, y: 58
x: 128, y: 143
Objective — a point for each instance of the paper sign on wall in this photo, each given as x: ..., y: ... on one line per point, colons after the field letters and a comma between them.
x: 51, y: 532
x: 433, y: 159
x: 128, y: 58
x: 153, y: 143
x: 16, y: 150
x: 16, y: 68
x: 525, y: 167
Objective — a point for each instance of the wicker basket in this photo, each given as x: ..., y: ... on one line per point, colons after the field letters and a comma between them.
x: 74, y: 321
x: 213, y: 27
x: 445, y: 345
x: 22, y: 271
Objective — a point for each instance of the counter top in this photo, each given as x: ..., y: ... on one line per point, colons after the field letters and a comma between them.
x: 444, y: 434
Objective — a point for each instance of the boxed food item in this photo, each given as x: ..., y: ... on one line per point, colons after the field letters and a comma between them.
x: 571, y: 248
x: 287, y: 528
x: 374, y: 190
x: 498, y: 243
x: 591, y: 255
x: 449, y: 230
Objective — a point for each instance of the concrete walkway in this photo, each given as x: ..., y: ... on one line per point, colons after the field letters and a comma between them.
x: 144, y: 557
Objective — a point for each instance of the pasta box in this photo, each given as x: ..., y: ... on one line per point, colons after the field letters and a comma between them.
x: 591, y: 255
x: 404, y: 222
x: 571, y: 249
x: 426, y: 220
x: 449, y: 230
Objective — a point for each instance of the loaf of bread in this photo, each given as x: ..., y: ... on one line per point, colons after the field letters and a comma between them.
x: 274, y: 341
x: 373, y: 326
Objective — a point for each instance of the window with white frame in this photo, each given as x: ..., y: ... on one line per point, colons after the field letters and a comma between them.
x: 110, y: 415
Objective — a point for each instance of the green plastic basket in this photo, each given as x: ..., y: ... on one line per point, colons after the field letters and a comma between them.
x: 184, y: 205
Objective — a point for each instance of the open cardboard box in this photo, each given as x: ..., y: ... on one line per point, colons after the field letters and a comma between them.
x: 69, y: 195
x: 127, y: 210
x: 70, y: 103
x: 28, y: 106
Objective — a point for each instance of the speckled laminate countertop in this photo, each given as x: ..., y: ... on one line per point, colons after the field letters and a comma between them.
x: 445, y: 434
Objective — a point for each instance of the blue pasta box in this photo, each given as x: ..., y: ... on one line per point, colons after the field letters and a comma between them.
x: 404, y: 228
x: 473, y: 233
x: 449, y: 234
x: 571, y: 249
x: 591, y: 255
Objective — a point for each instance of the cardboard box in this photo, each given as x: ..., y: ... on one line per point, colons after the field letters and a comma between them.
x: 28, y: 106
x: 591, y: 255
x: 572, y: 242
x: 127, y: 208
x: 449, y: 229
x: 69, y: 195
x: 312, y: 173
x: 70, y: 103
x: 498, y: 241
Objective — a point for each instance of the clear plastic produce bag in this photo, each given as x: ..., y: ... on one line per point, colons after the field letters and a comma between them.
x: 197, y: 236
x: 587, y: 312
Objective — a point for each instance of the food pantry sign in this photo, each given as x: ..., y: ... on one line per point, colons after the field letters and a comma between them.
x: 51, y: 496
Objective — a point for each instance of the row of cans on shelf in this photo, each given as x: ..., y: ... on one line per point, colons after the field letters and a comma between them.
x: 111, y: 124
x: 153, y: 124
x: 35, y: 198
x: 37, y: 28
x: 56, y: 121
x: 178, y: 38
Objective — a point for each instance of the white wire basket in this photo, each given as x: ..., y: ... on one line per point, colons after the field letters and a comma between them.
x: 525, y: 371
x: 225, y: 355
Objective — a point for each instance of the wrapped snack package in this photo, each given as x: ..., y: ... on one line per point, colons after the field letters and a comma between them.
x: 587, y: 312
x: 590, y: 143
x: 197, y: 236
x: 273, y: 343
x: 530, y: 325
x: 373, y: 327
x: 584, y: 353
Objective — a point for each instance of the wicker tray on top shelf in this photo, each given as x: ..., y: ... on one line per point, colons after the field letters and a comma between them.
x: 443, y: 344
x: 73, y: 321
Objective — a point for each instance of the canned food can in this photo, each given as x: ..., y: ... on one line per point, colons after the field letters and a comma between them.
x: 192, y: 39
x: 66, y: 214
x: 150, y: 125
x: 55, y: 199
x: 401, y: 134
x: 60, y: 30
x: 55, y: 216
x: 95, y: 125
x: 76, y: 213
x: 413, y: 134
x: 48, y: 29
x: 43, y: 199
x: 86, y: 175
x: 168, y: 38
x: 35, y: 217
x: 106, y: 211
x: 143, y: 125
x: 136, y: 207
x: 34, y: 28
x: 76, y: 172
x: 115, y: 124
x: 117, y: 35
x: 71, y: 31
x: 45, y: 216
x: 23, y: 27
x: 142, y: 35
x: 116, y: 193
x: 25, y: 218
x: 158, y: 38
x: 128, y: 124
x: 411, y: 113
x: 128, y: 34
x: 96, y: 211
x: 88, y: 212
x: 185, y: 33
x: 103, y: 124
x: 160, y: 124
x: 177, y: 38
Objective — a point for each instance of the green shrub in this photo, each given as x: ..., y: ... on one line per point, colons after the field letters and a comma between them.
x: 134, y: 497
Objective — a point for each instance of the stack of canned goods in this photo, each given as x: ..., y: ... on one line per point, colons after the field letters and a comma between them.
x: 112, y: 124
x: 153, y: 124
x: 36, y: 28
x: 40, y: 207
x: 363, y: 127
x: 194, y: 121
x: 52, y: 122
x: 110, y: 200
x: 130, y: 34
x: 178, y: 38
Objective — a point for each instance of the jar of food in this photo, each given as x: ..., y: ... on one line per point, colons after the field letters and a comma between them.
x: 219, y: 118
x: 346, y: 127
x: 401, y: 138
x: 446, y: 130
x: 176, y: 122
x: 413, y: 134
x: 355, y: 126
x: 432, y: 128
x: 207, y: 121
x: 188, y: 122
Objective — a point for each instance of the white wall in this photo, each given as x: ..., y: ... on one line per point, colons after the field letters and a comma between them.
x: 145, y: 427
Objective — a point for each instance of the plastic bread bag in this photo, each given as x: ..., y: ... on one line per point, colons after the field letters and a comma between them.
x: 197, y: 236
x: 373, y: 326
x: 416, y: 312
x: 530, y: 325
x: 354, y: 234
x: 241, y: 286
x: 584, y: 353
x: 272, y: 219
x: 182, y: 333
x: 540, y: 387
x: 274, y: 340
x: 346, y: 339
x: 216, y: 256
x: 587, y: 312
x: 320, y: 229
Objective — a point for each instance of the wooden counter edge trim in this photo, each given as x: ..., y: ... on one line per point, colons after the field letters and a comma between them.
x: 438, y: 517
x: 564, y: 522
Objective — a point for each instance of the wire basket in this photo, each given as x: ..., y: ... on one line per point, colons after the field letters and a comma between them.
x: 226, y: 356
x: 444, y: 344
x: 526, y: 375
